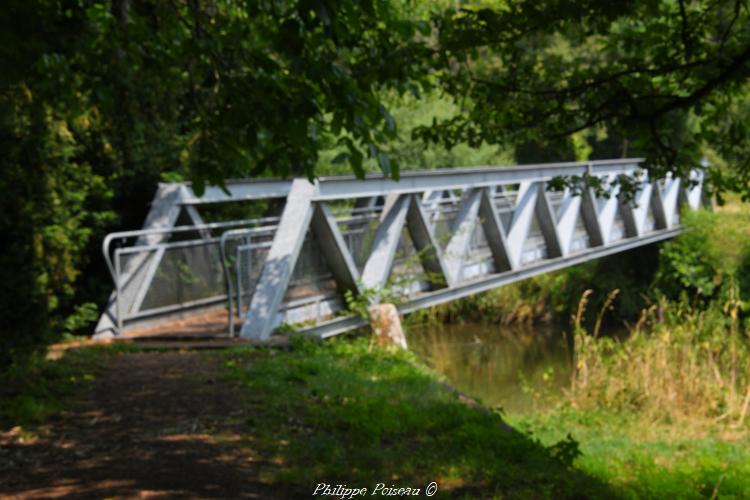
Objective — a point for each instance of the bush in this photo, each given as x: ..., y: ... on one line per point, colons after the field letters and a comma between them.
x: 692, y: 263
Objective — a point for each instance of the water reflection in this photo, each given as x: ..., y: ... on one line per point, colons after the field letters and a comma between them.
x: 520, y: 368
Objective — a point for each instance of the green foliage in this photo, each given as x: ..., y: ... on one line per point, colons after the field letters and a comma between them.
x: 51, y: 208
x: 693, y: 262
x: 342, y: 411
x: 660, y: 78
x: 360, y: 302
x: 108, y: 98
x: 410, y: 113
x: 708, y: 259
x: 680, y: 365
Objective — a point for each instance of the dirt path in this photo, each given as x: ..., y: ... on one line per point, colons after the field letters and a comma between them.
x: 156, y: 425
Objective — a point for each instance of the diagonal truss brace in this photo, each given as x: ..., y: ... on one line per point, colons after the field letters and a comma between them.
x: 334, y: 249
x: 462, y: 230
x: 635, y: 212
x: 494, y: 233
x: 378, y: 265
x: 426, y: 244
x: 566, y: 219
x: 280, y: 261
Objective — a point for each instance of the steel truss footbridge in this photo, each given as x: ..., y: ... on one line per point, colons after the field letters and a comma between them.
x: 431, y: 237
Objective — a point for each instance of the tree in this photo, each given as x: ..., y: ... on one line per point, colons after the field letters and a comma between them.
x: 101, y: 100
x: 665, y: 75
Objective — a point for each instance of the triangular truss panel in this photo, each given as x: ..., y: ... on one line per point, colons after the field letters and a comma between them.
x: 535, y: 247
x: 479, y: 260
x: 358, y: 227
x: 312, y: 275
x: 579, y: 239
x: 441, y: 210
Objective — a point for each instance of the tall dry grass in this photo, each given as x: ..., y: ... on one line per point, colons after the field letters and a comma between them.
x: 677, y: 364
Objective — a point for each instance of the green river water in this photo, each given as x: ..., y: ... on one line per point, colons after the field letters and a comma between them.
x: 519, y: 368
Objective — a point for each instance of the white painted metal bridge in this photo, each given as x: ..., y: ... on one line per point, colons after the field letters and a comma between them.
x: 431, y: 237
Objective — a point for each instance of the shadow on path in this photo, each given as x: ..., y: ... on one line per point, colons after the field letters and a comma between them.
x: 157, y: 424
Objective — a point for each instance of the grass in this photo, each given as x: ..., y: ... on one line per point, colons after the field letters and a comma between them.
x: 731, y: 229
x: 646, y: 459
x: 662, y: 414
x: 340, y: 412
x: 678, y: 366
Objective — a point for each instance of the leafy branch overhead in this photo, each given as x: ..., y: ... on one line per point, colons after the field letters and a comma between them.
x: 273, y: 81
x: 255, y: 88
x: 667, y: 76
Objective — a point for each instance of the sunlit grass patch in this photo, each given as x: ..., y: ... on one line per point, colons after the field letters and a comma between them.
x: 649, y: 460
x: 341, y: 411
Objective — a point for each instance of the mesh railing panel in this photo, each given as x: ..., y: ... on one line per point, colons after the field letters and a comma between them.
x: 186, y: 274
x: 311, y: 275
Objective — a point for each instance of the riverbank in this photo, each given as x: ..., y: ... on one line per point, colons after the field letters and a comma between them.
x: 662, y: 413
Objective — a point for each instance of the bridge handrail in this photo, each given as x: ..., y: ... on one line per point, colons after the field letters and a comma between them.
x: 117, y: 235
